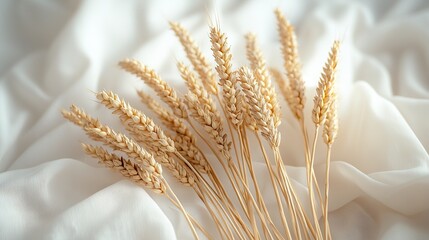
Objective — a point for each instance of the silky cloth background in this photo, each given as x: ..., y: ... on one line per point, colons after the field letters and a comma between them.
x: 55, y: 53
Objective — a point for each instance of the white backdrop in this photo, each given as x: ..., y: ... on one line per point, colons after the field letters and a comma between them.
x: 55, y: 53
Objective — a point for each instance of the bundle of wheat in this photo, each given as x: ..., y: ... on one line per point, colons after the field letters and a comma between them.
x: 224, y: 114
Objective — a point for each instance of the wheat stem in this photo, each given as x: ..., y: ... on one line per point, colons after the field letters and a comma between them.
x: 307, y: 157
x: 260, y: 199
x: 177, y: 202
x: 273, y: 182
x: 222, y: 212
x: 287, y: 190
x: 221, y: 223
x: 326, y: 203
x: 310, y: 183
x: 210, y: 190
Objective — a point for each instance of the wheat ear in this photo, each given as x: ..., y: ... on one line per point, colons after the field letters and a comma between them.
x: 148, y: 132
x: 153, y: 80
x: 210, y: 121
x: 258, y: 106
x: 184, y: 139
x: 227, y: 79
x: 127, y: 168
x: 257, y: 63
x: 221, y: 54
x: 118, y: 141
x: 291, y: 64
x: 325, y: 88
x: 151, y: 171
x: 199, y: 62
x: 194, y: 87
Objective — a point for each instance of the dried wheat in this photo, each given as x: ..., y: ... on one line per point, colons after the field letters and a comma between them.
x: 197, y: 59
x: 81, y: 119
x: 257, y: 63
x: 330, y: 129
x: 211, y: 123
x: 258, y: 107
x: 127, y: 168
x: 170, y: 120
x: 184, y: 139
x: 325, y: 88
x: 149, y: 133
x: 221, y: 54
x: 164, y: 91
x: 195, y: 87
x: 291, y: 64
x: 142, y: 126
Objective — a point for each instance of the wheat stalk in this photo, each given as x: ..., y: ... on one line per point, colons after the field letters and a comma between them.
x: 324, y: 97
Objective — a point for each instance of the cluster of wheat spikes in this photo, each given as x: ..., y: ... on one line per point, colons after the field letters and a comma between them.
x: 223, y: 109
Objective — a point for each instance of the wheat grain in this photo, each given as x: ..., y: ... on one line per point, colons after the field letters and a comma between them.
x: 291, y: 63
x: 164, y: 91
x: 197, y: 59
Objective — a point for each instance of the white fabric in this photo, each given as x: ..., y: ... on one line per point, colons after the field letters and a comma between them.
x: 55, y: 53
